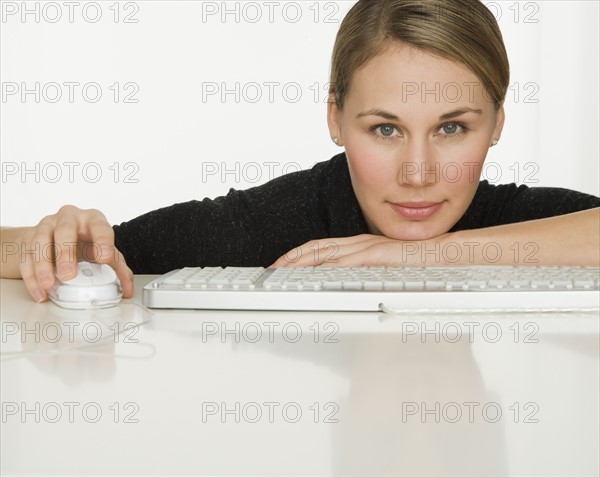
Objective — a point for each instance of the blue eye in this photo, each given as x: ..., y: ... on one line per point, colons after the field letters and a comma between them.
x: 384, y: 131
x: 387, y: 130
x: 450, y: 128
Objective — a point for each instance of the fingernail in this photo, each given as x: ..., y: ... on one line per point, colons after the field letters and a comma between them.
x: 37, y: 295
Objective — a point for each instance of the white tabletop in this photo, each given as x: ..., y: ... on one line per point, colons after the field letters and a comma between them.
x: 125, y: 391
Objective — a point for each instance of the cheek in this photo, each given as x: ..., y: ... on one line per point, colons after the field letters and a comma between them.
x: 466, y: 168
x: 370, y: 167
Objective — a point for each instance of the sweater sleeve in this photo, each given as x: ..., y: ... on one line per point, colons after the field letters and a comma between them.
x: 509, y: 203
x: 248, y: 228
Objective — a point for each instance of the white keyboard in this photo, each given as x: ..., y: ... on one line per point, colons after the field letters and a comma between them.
x: 387, y: 289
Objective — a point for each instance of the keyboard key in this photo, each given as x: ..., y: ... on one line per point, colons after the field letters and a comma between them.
x: 540, y: 283
x: 498, y: 283
x: 352, y: 285
x: 174, y: 280
x: 393, y: 284
x: 373, y: 285
x: 332, y: 284
x: 562, y: 284
x: 456, y: 285
x: 519, y: 283
x: 414, y: 284
x: 242, y: 281
x: 292, y: 285
x: 219, y: 281
x: 197, y: 281
x: 584, y: 283
x: 312, y: 284
x: 435, y: 284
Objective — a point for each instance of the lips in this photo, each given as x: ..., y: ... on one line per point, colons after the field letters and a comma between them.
x: 416, y: 210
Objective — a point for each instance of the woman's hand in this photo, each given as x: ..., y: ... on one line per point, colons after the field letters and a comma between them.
x: 364, y: 250
x: 53, y: 247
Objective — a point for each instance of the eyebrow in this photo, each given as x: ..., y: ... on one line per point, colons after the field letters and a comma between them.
x: 393, y: 117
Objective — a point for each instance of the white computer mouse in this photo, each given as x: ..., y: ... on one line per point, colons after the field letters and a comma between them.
x: 95, y: 286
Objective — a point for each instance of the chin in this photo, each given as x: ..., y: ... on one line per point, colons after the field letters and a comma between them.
x: 415, y: 232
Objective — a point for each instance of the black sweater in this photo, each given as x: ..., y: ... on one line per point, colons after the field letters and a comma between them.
x: 256, y: 226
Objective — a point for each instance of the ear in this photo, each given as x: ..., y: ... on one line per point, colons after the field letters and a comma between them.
x: 333, y: 119
x: 500, y: 116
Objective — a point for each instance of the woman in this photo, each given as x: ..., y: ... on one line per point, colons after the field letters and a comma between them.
x: 416, y: 101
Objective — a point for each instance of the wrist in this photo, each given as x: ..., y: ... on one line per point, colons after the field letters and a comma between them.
x: 11, y: 239
x: 439, y: 251
x: 461, y: 248
x: 444, y: 250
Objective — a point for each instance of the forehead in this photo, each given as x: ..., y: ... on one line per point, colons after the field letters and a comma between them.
x: 403, y: 75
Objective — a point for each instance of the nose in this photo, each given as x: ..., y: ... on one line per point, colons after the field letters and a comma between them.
x: 417, y: 166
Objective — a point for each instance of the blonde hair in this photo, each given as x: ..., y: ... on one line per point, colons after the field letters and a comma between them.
x: 464, y: 31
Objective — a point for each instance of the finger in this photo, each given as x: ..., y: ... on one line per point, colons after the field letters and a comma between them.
x: 102, y: 247
x: 335, y: 251
x: 377, y: 253
x: 39, y: 257
x: 65, y: 240
x: 124, y: 273
x: 292, y: 258
x: 105, y: 252
x: 27, y: 269
x: 307, y: 254
x: 31, y: 284
x: 301, y: 255
x: 358, y: 258
x: 325, y: 251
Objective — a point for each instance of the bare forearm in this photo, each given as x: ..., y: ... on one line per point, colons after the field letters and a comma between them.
x: 11, y: 239
x: 569, y: 240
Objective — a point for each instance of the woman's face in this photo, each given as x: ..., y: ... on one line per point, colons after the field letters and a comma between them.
x: 416, y: 129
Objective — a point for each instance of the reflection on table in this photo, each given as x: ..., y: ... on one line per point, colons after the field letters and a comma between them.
x: 289, y: 393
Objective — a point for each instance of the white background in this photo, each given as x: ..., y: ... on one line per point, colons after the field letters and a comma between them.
x: 160, y: 149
